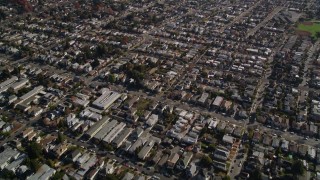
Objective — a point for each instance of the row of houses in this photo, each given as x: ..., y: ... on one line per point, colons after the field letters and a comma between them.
x: 286, y: 145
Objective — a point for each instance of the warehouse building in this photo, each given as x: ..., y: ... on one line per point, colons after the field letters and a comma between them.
x: 105, y: 130
x: 106, y: 100
x: 96, y: 127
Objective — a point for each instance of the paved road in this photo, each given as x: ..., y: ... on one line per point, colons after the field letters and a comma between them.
x: 264, y: 81
x: 265, y: 21
x: 238, y: 18
x: 236, y: 167
x: 188, y: 107
x: 287, y: 135
x: 308, y: 61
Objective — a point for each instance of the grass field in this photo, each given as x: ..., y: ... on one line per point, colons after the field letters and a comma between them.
x: 312, y: 28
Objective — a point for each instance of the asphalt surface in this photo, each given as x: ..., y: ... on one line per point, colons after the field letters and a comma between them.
x: 264, y: 22
x: 236, y: 167
x: 238, y: 18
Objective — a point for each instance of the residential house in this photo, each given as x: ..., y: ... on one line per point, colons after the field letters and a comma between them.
x: 184, y: 162
x: 60, y: 149
x: 172, y: 160
x: 221, y: 153
x: 303, y: 149
x: 267, y: 139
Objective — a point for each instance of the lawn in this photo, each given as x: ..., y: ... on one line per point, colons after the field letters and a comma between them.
x: 310, y: 27
x: 142, y: 105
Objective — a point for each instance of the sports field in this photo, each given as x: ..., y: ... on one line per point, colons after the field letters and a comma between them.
x: 309, y: 27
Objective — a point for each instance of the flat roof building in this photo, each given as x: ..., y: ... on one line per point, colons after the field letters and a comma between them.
x: 19, y: 84
x: 121, y: 138
x: 9, y: 82
x: 13, y: 166
x: 97, y: 127
x: 7, y: 155
x: 152, y: 120
x: 44, y: 173
x: 114, y: 133
x: 146, y: 149
x: 217, y: 101
x: 203, y: 98
x: 106, y: 99
x: 4, y: 86
x: 140, y: 142
x: 31, y: 93
x: 105, y: 129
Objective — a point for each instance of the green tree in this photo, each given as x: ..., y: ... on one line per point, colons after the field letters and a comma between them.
x: 101, y: 50
x: 112, y: 78
x: 61, y: 137
x: 226, y: 177
x: 108, y: 147
x: 211, y: 147
x: 3, y: 15
x: 169, y: 117
x: 95, y: 63
x: 297, y: 168
x: 111, y: 177
x: 278, y: 151
x: 58, y: 175
x: 5, y: 74
x: 250, y: 133
x: 34, y: 150
x: 6, y: 174
x: 62, y: 125
x: 203, y: 131
x: 50, y: 163
x: 229, y: 77
x: 33, y: 164
x: 206, y: 161
x: 255, y: 175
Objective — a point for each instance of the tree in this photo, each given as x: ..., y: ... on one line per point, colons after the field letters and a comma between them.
x: 203, y: 131
x: 50, y: 163
x: 95, y: 63
x: 125, y: 40
x: 61, y: 137
x: 34, y: 150
x: 3, y: 15
x: 108, y: 147
x: 66, y: 43
x: 51, y: 106
x: 32, y: 163
x: 206, y: 161
x: 6, y: 174
x: 211, y: 147
x: 58, y: 175
x: 250, y: 133
x: 255, y: 175
x: 169, y: 117
x: 5, y: 74
x: 226, y: 177
x: 204, y: 73
x: 101, y: 50
x: 297, y: 168
x: 318, y: 34
x: 111, y: 177
x: 229, y: 77
x: 278, y: 151
x: 112, y: 78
